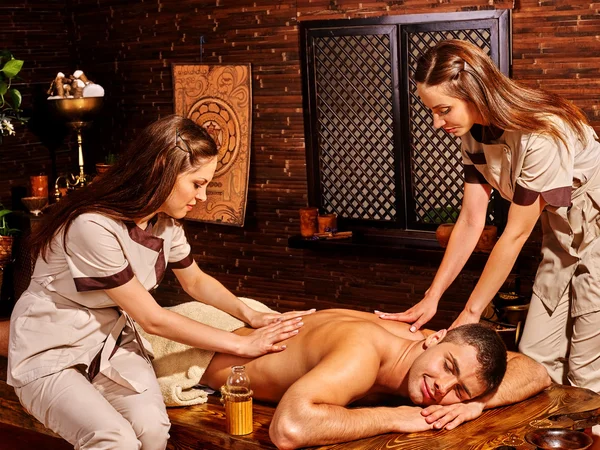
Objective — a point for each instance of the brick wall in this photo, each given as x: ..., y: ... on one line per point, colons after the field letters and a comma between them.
x: 129, y: 51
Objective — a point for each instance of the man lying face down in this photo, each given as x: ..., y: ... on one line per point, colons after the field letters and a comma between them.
x: 341, y: 356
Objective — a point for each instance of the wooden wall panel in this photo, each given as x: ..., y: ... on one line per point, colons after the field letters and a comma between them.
x: 555, y: 47
x: 128, y: 47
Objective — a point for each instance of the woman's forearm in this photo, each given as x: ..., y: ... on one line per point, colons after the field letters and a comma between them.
x: 496, y: 271
x: 462, y: 242
x: 207, y: 289
x: 184, y: 330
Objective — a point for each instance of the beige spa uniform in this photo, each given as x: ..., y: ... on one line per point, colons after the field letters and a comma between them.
x: 562, y: 329
x: 72, y: 349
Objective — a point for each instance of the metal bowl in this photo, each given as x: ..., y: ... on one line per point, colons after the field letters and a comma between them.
x: 77, y: 110
x: 513, y: 314
x: 558, y: 438
x: 35, y: 204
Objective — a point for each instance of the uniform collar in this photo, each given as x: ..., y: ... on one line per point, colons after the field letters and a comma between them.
x: 486, y: 134
x: 144, y: 237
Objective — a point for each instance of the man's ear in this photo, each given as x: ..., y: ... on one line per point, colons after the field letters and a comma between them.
x: 435, y: 338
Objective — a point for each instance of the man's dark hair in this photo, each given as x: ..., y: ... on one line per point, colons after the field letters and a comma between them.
x: 491, y: 351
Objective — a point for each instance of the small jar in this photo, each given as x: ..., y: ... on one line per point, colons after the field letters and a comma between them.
x: 236, y: 395
x: 308, y: 221
x: 327, y: 223
x: 39, y: 185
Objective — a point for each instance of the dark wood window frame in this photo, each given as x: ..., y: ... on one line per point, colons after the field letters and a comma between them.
x: 402, y: 230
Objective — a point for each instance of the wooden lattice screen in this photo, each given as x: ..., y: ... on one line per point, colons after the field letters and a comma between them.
x: 436, y: 163
x: 373, y: 154
x: 354, y: 108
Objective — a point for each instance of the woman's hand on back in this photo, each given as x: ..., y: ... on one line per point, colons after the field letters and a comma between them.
x: 267, y: 339
x: 418, y: 315
x: 259, y: 319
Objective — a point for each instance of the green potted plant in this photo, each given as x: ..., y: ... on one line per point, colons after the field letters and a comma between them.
x: 6, y: 237
x: 10, y: 98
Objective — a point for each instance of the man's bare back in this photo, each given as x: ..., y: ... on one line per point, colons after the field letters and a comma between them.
x: 340, y: 356
x: 323, y: 333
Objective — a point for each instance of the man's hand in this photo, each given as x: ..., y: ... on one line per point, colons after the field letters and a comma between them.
x: 451, y: 416
x: 257, y: 319
x: 411, y: 419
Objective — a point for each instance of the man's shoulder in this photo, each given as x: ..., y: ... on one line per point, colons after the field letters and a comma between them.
x: 351, y: 322
x: 363, y: 336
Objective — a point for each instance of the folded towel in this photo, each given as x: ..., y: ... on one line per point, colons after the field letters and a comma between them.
x: 179, y: 367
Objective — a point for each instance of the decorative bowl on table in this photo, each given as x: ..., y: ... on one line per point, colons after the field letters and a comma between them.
x: 35, y: 204
x: 558, y: 438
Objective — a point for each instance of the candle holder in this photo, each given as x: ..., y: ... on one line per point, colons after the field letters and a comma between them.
x: 327, y: 223
x: 308, y: 222
x: 39, y: 185
x: 78, y: 113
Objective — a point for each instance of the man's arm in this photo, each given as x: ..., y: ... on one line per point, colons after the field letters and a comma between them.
x: 523, y: 379
x: 313, y: 410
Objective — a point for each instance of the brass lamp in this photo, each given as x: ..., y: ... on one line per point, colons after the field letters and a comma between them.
x: 77, y: 113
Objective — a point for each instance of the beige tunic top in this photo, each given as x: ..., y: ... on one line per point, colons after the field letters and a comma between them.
x: 522, y: 166
x: 66, y: 319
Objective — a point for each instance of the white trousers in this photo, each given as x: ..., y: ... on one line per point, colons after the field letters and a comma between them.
x: 569, y: 347
x: 101, y: 415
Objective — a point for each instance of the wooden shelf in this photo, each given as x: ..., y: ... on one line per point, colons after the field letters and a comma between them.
x: 419, y: 249
x: 406, y: 248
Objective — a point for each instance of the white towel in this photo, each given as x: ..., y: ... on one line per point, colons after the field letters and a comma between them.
x: 179, y: 367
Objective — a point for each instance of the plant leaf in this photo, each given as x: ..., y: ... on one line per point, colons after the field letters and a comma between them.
x: 12, y: 67
x: 15, y: 98
x: 4, y: 212
x: 5, y: 54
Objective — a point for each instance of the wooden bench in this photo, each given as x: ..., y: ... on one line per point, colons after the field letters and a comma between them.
x: 193, y: 427
x: 203, y: 426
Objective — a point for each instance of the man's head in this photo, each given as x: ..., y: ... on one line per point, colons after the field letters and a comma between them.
x: 457, y: 365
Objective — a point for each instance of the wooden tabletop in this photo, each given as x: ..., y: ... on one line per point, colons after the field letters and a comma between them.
x: 497, y: 427
x: 203, y: 426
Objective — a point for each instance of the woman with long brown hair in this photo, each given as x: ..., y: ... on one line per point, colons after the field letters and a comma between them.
x: 538, y: 151
x: 75, y: 358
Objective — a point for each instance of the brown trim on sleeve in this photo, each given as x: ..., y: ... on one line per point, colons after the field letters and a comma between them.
x: 83, y: 284
x: 474, y: 176
x: 554, y: 197
x: 558, y: 197
x: 184, y: 263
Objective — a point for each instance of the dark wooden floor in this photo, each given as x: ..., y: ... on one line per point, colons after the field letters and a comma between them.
x: 13, y: 438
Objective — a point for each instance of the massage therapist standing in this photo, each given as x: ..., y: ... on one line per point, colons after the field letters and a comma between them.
x: 538, y: 152
x: 75, y: 359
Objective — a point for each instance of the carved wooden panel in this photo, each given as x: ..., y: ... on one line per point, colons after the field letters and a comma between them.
x: 219, y: 97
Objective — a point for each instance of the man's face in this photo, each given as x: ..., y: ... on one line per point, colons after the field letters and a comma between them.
x: 444, y: 374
